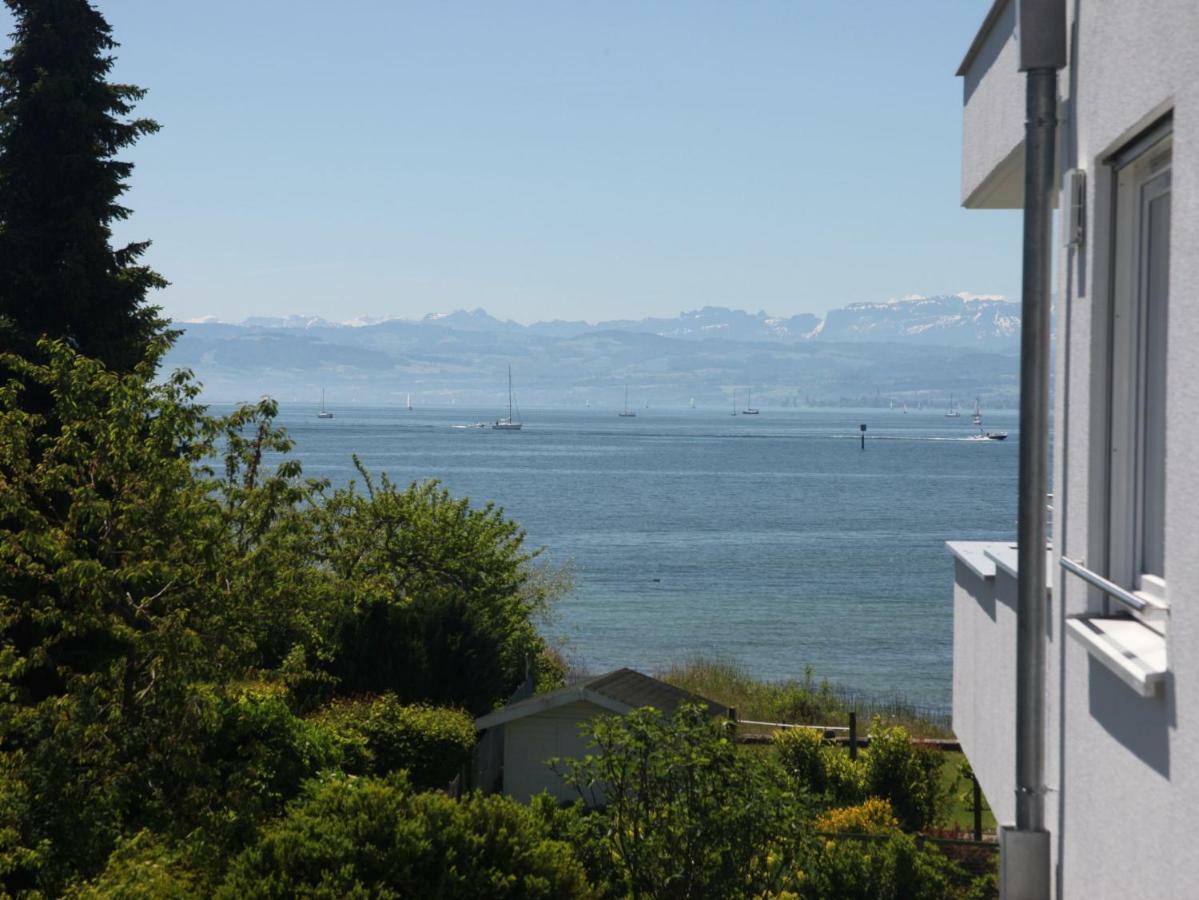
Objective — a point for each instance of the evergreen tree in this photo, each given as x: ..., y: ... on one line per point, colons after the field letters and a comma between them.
x: 61, y: 125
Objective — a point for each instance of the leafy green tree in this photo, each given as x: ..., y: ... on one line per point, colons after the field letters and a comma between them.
x: 123, y: 599
x: 108, y: 605
x: 684, y: 813
x: 141, y: 583
x: 369, y: 837
x: 438, y: 600
x: 62, y: 125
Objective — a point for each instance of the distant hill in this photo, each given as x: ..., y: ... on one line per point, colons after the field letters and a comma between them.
x: 911, y: 349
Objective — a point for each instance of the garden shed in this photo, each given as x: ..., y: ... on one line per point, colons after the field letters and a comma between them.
x: 517, y: 740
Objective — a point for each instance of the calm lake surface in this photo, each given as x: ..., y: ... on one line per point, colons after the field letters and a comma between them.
x: 769, y: 540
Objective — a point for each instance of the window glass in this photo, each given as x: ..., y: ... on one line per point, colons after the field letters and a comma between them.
x: 1155, y: 259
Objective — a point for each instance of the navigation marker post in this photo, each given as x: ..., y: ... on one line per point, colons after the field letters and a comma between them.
x: 863, y: 427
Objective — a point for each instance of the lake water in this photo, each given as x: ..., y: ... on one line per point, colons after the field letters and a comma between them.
x: 770, y: 540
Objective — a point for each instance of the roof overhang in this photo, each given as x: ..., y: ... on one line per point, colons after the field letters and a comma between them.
x: 993, y: 113
x: 980, y: 39
x: 545, y: 702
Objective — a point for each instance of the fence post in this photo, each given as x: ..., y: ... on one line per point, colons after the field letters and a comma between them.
x: 733, y: 723
x: 853, y: 735
x: 978, y: 809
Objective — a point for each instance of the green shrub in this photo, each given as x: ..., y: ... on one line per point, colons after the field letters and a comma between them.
x: 255, y: 758
x: 845, y: 777
x: 360, y: 837
x: 874, y: 816
x: 380, y: 735
x: 685, y: 814
x: 907, y: 774
x: 892, y: 768
x: 892, y: 868
x: 801, y: 753
x: 144, y: 866
x: 820, y: 768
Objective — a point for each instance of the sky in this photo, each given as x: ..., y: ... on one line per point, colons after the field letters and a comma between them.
x: 553, y: 159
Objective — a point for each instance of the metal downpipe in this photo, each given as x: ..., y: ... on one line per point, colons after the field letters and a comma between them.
x: 1032, y: 618
x: 1025, y: 849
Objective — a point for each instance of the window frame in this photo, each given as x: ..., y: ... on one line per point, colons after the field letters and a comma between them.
x: 1140, y: 173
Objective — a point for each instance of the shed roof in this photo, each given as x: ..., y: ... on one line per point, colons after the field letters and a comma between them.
x: 620, y: 692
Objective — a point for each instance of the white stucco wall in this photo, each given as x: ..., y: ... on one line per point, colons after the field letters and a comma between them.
x: 1123, y: 769
x: 1128, y: 780
x: 993, y: 120
x: 984, y: 684
x: 531, y: 741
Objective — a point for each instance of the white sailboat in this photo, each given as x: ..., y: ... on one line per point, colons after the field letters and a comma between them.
x: 627, y: 413
x: 977, y: 418
x: 734, y: 401
x: 953, y: 412
x: 507, y: 423
x: 324, y: 413
x: 408, y: 405
x: 749, y: 409
x: 693, y: 403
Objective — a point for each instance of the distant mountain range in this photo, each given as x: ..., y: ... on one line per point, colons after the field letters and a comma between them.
x: 909, y: 349
x: 957, y: 320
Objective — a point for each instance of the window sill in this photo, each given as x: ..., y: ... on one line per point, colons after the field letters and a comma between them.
x: 1132, y: 651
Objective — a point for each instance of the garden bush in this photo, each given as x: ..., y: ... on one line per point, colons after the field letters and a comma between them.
x: 874, y: 816
x: 891, y: 768
x: 685, y: 813
x: 378, y: 735
x: 144, y: 866
x: 371, y: 837
x: 884, y: 868
x: 821, y: 768
x: 907, y: 774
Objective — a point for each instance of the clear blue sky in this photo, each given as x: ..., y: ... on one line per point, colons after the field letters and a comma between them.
x: 553, y: 159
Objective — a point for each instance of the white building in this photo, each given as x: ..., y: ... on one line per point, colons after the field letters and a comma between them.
x: 1122, y: 664
x: 518, y: 741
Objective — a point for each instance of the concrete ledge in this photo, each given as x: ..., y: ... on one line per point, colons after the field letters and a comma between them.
x: 973, y: 555
x: 1135, y: 653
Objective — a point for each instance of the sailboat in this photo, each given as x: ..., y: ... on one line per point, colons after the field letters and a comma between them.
x: 977, y: 418
x: 734, y: 401
x: 693, y: 403
x: 627, y: 413
x: 953, y: 412
x: 408, y: 406
x: 508, y: 423
x: 749, y: 410
x: 324, y: 413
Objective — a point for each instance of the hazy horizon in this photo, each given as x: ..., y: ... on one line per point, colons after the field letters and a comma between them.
x: 375, y: 318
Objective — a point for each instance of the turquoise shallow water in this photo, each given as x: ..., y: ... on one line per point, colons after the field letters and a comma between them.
x: 770, y: 540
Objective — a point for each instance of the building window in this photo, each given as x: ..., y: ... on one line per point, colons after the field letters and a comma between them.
x: 1140, y: 303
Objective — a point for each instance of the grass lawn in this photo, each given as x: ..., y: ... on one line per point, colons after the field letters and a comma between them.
x: 960, y: 813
